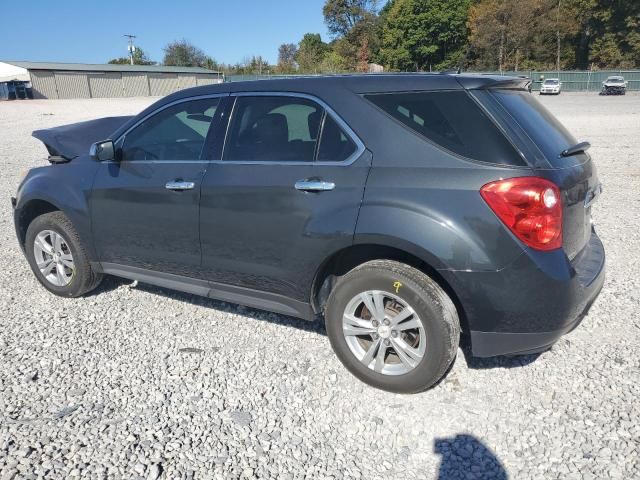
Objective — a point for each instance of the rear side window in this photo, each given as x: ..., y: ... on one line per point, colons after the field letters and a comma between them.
x: 451, y: 120
x: 273, y: 129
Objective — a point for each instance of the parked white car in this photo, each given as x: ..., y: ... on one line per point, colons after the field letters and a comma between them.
x: 551, y: 86
x: 614, y: 85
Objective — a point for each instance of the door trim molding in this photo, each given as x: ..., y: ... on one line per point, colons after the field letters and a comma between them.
x: 259, y: 299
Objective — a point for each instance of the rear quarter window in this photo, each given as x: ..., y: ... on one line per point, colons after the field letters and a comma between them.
x: 451, y: 120
x: 541, y: 126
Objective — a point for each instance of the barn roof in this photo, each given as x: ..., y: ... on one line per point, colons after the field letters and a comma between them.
x: 91, y: 67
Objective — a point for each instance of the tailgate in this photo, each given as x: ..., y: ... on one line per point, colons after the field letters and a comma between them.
x: 575, y: 174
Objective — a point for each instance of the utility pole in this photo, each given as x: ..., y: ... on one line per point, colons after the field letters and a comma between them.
x: 131, y: 47
x: 558, y: 38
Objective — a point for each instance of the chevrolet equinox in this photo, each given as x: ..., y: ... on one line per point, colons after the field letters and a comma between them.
x: 404, y: 210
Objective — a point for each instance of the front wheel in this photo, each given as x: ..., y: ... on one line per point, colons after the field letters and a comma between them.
x: 58, y: 258
x: 392, y: 326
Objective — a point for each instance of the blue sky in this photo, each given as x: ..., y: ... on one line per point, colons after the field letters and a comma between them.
x: 89, y: 31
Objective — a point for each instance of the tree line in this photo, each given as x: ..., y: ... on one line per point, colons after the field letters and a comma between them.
x: 436, y: 35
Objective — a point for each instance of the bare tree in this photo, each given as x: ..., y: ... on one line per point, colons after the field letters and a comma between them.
x: 287, y: 57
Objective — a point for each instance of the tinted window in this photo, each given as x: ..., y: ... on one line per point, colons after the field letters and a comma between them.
x: 175, y: 133
x: 273, y: 129
x: 335, y: 145
x: 452, y: 120
x: 539, y: 123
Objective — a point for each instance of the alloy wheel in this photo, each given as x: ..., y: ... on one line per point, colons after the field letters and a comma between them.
x: 53, y: 257
x: 384, y: 333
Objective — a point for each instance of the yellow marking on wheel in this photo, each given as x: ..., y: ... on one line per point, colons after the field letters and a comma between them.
x: 397, y: 286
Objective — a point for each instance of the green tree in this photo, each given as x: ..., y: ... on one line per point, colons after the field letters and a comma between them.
x: 419, y: 35
x: 341, y: 16
x: 311, y: 52
x: 139, y: 58
x: 182, y: 53
x: 211, y: 64
x: 333, y: 62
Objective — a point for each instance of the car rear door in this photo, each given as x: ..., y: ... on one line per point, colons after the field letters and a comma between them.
x: 284, y: 196
x: 145, y: 205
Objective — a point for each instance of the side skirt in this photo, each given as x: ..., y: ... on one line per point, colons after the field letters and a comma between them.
x: 226, y: 293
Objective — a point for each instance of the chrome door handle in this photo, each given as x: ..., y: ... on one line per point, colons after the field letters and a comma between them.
x: 314, y: 186
x: 180, y: 186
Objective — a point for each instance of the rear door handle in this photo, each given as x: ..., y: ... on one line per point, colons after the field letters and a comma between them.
x: 179, y: 186
x: 314, y: 186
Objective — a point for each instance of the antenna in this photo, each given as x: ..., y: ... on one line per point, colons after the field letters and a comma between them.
x: 131, y: 47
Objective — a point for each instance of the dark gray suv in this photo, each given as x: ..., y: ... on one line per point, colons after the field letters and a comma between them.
x: 405, y: 210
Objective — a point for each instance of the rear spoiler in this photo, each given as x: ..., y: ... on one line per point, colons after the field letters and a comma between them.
x: 475, y: 82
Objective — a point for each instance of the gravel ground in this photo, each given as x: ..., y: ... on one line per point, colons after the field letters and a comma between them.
x: 141, y: 382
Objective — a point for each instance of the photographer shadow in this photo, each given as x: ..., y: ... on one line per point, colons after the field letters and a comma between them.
x: 464, y: 456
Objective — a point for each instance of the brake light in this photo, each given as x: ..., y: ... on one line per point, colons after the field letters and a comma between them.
x: 530, y: 207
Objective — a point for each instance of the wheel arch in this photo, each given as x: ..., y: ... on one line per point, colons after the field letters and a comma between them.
x: 28, y: 212
x: 346, y: 259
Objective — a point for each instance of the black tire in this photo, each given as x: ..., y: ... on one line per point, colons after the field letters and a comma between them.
x: 435, y: 309
x: 84, y: 279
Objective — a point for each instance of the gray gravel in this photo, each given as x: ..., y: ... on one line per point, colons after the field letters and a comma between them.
x: 140, y: 382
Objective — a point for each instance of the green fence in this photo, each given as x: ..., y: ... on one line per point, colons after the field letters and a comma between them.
x: 580, y: 81
x: 572, y: 81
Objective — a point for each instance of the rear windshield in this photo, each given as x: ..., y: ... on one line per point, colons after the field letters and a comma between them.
x: 543, y: 128
x: 452, y: 120
x: 551, y: 82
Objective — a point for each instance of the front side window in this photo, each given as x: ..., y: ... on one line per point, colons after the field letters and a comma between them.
x: 175, y: 133
x: 273, y: 129
x: 451, y: 120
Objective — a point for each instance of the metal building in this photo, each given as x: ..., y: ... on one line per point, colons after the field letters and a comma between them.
x: 78, y: 80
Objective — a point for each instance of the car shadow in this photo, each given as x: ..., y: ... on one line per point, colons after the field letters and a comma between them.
x: 111, y: 283
x: 501, y: 361
x: 464, y: 456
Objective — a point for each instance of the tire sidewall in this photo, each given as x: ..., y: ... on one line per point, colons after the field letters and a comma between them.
x: 38, y: 225
x: 425, y: 303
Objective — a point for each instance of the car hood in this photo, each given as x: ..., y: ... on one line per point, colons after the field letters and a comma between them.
x: 71, y: 141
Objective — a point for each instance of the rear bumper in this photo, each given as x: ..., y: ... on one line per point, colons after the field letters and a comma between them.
x: 528, y: 306
x: 490, y: 344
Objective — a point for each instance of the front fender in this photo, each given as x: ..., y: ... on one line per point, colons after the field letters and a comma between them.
x: 66, y: 187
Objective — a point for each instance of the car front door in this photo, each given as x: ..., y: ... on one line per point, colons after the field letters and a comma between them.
x: 284, y: 196
x: 144, y: 205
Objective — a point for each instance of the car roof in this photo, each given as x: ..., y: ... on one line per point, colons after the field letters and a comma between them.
x: 361, y: 83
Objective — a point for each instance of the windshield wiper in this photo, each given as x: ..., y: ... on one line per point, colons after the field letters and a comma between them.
x: 577, y: 148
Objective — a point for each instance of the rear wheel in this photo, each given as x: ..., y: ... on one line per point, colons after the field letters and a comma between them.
x: 392, y: 326
x: 58, y: 258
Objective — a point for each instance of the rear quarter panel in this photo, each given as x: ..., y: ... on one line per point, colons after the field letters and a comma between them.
x: 426, y: 200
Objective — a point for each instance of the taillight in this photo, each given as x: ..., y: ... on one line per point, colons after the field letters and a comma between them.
x: 530, y: 207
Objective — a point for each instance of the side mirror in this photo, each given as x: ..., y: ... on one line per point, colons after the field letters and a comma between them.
x: 101, y: 151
